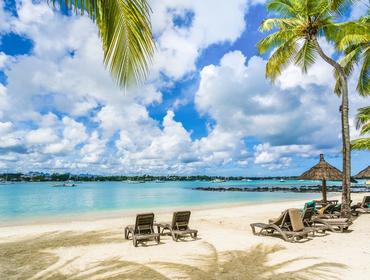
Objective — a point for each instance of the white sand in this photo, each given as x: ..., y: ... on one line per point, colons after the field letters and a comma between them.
x: 222, y: 229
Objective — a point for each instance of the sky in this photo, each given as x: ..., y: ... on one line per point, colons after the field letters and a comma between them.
x: 206, y: 107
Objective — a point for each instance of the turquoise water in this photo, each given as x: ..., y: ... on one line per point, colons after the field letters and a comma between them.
x: 25, y: 200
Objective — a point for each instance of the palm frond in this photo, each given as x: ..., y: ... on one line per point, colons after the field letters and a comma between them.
x: 363, y: 116
x: 281, y: 58
x: 348, y: 61
x: 363, y: 84
x: 275, y: 40
x: 126, y: 34
x: 285, y: 8
x: 339, y: 6
x: 361, y: 144
x: 306, y: 56
x: 282, y: 23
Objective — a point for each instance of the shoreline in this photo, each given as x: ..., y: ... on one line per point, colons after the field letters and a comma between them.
x: 79, y: 245
x: 124, y: 213
x: 96, y: 216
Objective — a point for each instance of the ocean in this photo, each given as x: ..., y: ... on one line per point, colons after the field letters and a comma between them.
x: 41, y: 199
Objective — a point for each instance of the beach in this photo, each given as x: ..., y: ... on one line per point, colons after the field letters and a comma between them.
x: 94, y: 248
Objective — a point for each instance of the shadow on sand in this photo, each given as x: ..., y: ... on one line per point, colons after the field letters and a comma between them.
x: 34, y: 259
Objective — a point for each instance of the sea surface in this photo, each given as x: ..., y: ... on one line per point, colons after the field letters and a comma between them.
x: 41, y: 199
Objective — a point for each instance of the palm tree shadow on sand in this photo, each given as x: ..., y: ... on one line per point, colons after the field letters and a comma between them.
x: 34, y: 259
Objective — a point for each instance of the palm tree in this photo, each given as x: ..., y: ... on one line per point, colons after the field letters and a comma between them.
x: 126, y: 34
x: 298, y: 25
x: 363, y: 123
x: 353, y: 39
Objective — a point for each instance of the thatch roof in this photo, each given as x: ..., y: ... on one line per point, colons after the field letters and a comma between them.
x: 364, y: 174
x: 322, y: 170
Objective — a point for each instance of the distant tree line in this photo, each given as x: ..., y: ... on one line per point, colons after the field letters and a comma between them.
x: 55, y: 177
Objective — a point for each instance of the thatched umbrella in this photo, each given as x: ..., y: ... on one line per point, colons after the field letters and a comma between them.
x: 322, y: 171
x: 364, y: 174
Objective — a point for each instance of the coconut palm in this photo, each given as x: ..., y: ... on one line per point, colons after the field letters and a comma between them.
x: 297, y: 26
x: 126, y: 34
x: 363, y: 123
x: 353, y: 39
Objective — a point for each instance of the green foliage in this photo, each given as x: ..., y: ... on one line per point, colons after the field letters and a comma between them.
x: 353, y: 39
x: 298, y: 23
x: 363, y: 123
x: 125, y: 30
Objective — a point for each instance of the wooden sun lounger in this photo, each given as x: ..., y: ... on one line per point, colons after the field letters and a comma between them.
x: 289, y: 225
x: 143, y: 230
x: 179, y: 227
x: 340, y: 224
x: 364, y: 206
x: 309, y: 221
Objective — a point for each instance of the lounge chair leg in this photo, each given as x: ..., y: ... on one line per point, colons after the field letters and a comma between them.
x: 173, y: 236
x: 253, y: 230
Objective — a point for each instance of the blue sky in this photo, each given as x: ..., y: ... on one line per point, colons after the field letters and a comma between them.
x: 206, y: 107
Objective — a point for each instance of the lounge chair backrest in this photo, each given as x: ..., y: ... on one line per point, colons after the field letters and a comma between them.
x: 144, y: 223
x: 180, y: 220
x: 307, y: 214
x: 366, y: 201
x: 328, y: 209
x: 338, y: 207
x: 310, y: 204
x: 295, y: 219
x: 282, y: 220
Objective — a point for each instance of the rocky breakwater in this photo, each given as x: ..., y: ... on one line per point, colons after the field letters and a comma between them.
x: 296, y: 189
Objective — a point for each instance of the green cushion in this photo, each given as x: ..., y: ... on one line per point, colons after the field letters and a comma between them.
x: 310, y: 204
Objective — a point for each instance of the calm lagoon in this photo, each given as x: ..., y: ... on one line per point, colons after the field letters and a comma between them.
x: 28, y: 200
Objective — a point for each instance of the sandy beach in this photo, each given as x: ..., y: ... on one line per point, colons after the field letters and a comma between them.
x: 95, y: 248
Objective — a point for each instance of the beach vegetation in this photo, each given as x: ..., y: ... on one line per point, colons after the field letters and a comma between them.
x: 363, y: 124
x: 294, y: 33
x: 125, y: 31
x: 353, y: 39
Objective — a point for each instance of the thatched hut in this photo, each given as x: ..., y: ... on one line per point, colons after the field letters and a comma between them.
x: 364, y: 174
x: 322, y: 171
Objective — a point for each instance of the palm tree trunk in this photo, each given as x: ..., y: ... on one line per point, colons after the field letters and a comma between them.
x: 346, y: 181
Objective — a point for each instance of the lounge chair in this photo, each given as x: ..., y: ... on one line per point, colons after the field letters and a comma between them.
x: 179, y: 227
x: 364, y: 207
x: 143, y: 229
x: 309, y: 221
x: 340, y: 224
x: 329, y: 211
x: 289, y: 225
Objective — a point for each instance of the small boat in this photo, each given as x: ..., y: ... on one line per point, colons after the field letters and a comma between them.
x: 66, y: 185
x: 134, y: 182
x: 282, y: 180
x: 218, y: 181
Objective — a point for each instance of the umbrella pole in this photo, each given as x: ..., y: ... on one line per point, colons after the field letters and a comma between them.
x: 324, y: 197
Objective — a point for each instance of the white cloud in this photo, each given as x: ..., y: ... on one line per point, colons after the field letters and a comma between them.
x: 179, y: 46
x: 291, y: 115
x: 93, y: 150
x: 276, y: 157
x: 60, y: 108
x: 4, y: 18
x: 41, y: 136
x: 3, y: 58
